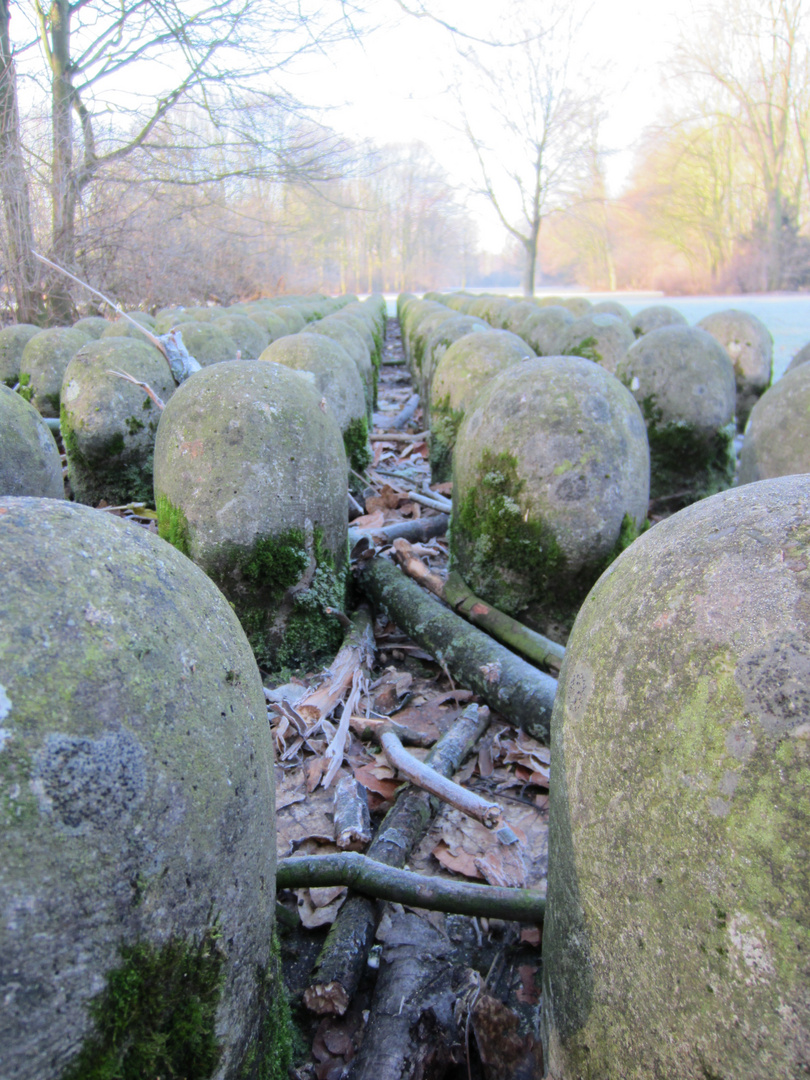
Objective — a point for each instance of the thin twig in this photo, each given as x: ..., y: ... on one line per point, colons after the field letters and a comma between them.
x: 428, y: 779
x: 399, y: 436
x: 147, y: 389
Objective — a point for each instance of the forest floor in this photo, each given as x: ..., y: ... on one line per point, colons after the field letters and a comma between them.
x: 491, y: 968
x: 470, y: 1002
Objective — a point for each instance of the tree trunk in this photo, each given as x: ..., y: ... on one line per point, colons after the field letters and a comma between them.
x: 14, y: 184
x: 63, y: 198
x: 773, y: 270
x: 530, y: 263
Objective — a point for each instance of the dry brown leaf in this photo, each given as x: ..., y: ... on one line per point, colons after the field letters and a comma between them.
x: 369, y: 521
x: 382, y: 785
x: 312, y: 916
x: 503, y: 866
x: 531, y: 935
x: 485, y: 761
x: 324, y: 895
x: 529, y: 992
x: 314, y: 768
x: 459, y: 862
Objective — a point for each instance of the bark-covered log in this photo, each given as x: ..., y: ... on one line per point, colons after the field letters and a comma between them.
x: 416, y: 531
x: 352, y: 819
x: 365, y: 875
x: 517, y: 690
x: 415, y: 1029
x: 344, y: 953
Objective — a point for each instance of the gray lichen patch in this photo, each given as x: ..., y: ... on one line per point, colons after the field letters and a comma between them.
x: 29, y: 457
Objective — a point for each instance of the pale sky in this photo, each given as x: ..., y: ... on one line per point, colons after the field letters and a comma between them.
x: 392, y: 86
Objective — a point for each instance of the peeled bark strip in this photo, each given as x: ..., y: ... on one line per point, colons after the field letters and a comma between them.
x: 364, y: 874
x: 344, y: 953
x: 356, y: 653
x: 518, y: 691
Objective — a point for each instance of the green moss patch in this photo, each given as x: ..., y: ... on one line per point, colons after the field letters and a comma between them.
x: 684, y: 460
x: 173, y: 525
x: 444, y: 424
x: 587, y: 349
x: 355, y: 439
x: 270, y: 1054
x: 156, y: 1015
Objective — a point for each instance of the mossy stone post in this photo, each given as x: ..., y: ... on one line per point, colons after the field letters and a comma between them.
x: 137, y: 879
x: 465, y: 368
x: 357, y: 349
x: 777, y: 435
x: 437, y: 344
x: 546, y: 331
x: 108, y: 423
x: 602, y: 338
x: 43, y: 363
x: 13, y: 340
x: 684, y: 383
x: 336, y: 379
x: 250, y: 339
x: 551, y: 476
x: 207, y: 342
x: 250, y: 482
x: 29, y: 456
x: 92, y: 325
x: 749, y: 344
x: 654, y: 317
x: 677, y: 928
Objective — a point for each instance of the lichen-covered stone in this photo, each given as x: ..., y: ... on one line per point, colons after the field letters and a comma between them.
x: 801, y: 357
x: 464, y: 369
x: 684, y: 383
x: 42, y: 366
x: 654, y: 317
x: 336, y: 379
x: 250, y: 482
x: 247, y: 335
x: 577, y: 305
x: 108, y: 423
x: 601, y: 338
x: 169, y: 318
x: 207, y: 342
x: 749, y: 344
x: 123, y: 327
x: 514, y: 317
x: 678, y: 922
x: 777, y: 435
x: 547, y: 331
x: 551, y: 474
x: 352, y: 342
x: 292, y: 317
x: 446, y: 333
x: 612, y: 307
x: 29, y: 457
x: 92, y: 325
x: 136, y: 800
x: 13, y: 340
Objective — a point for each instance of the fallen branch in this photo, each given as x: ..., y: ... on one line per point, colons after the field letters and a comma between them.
x: 357, y: 651
x: 352, y: 819
x: 382, y: 882
x: 403, y: 417
x: 343, y: 958
x: 435, y: 502
x: 399, y: 436
x: 428, y: 779
x: 420, y: 530
x: 147, y: 389
x: 517, y: 690
x: 534, y: 646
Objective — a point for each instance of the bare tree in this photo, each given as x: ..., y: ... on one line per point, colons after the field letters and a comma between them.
x: 529, y: 126
x: 747, y: 65
x: 120, y: 71
x: 23, y: 271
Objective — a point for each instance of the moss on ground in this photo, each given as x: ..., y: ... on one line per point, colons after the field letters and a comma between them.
x: 156, y: 1015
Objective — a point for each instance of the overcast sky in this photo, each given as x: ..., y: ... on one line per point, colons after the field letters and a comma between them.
x: 392, y: 85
